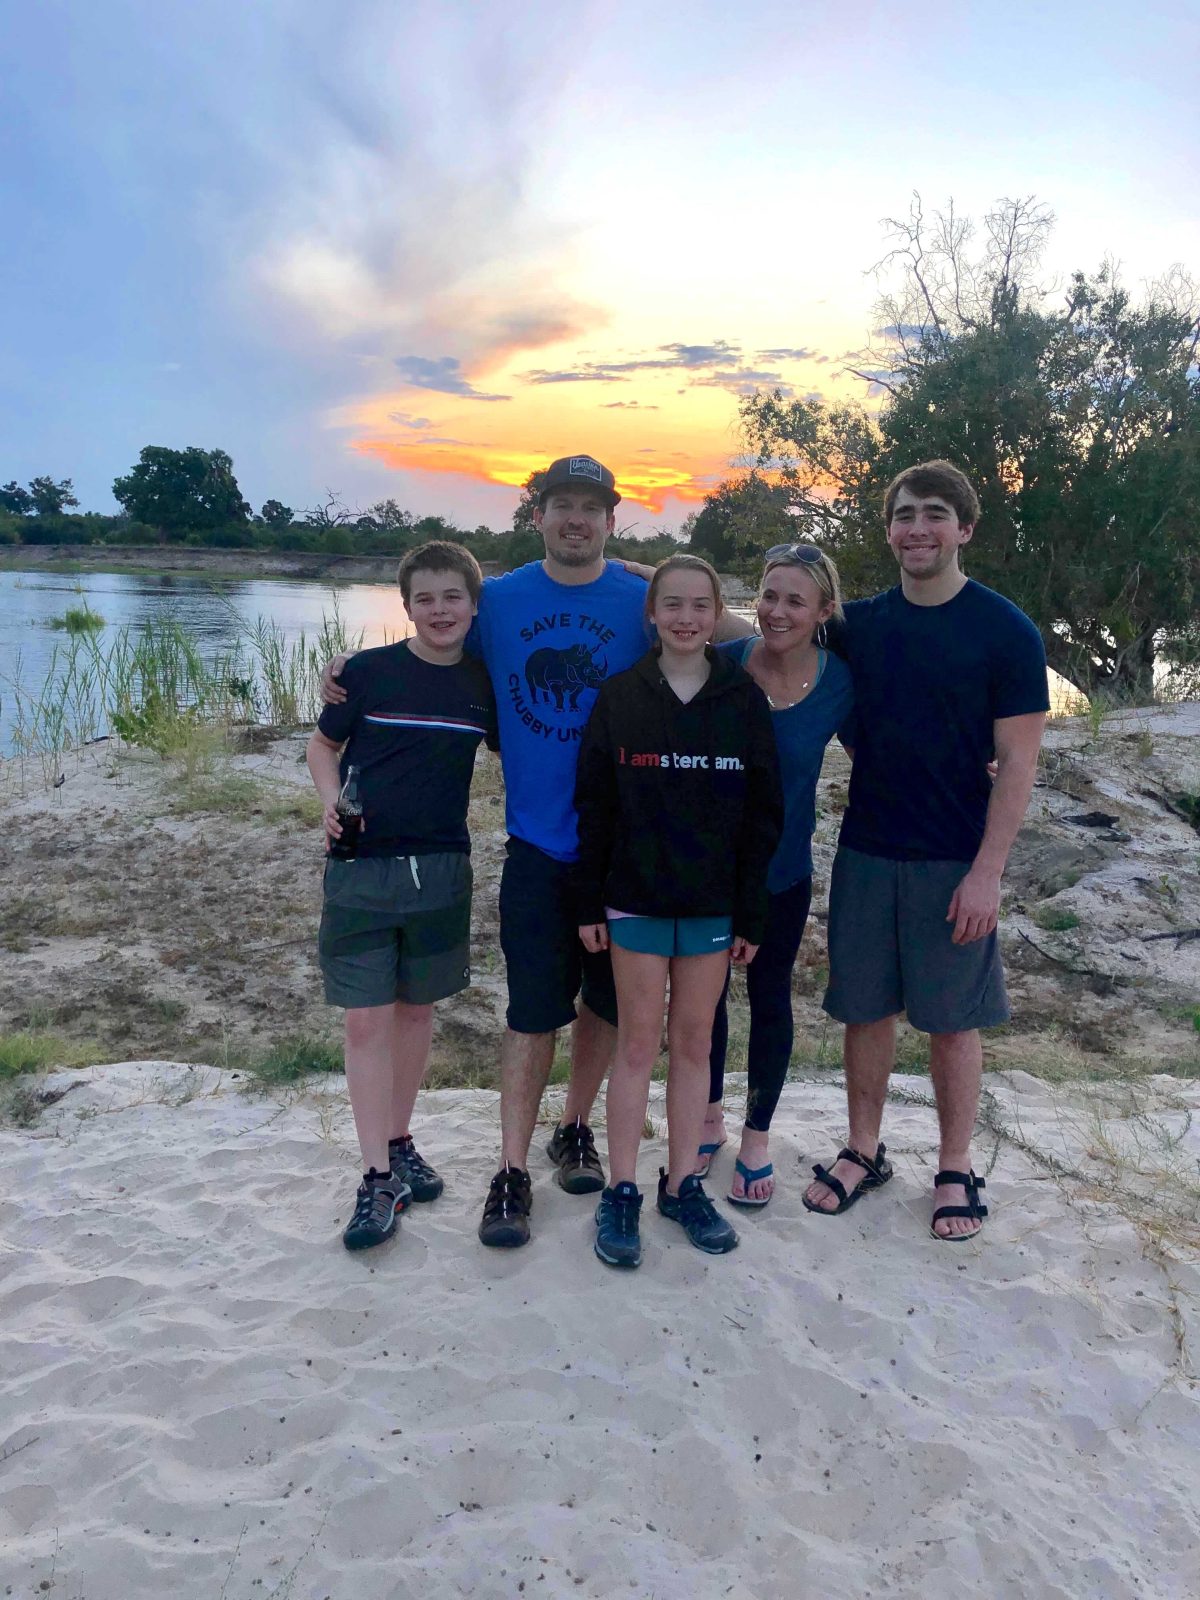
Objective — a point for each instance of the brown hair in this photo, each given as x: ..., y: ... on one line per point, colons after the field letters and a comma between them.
x: 823, y: 572
x: 440, y: 555
x: 942, y: 478
x: 683, y: 563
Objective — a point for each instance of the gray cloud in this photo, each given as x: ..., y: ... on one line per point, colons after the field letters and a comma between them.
x: 627, y: 405
x: 597, y: 375
x: 692, y: 357
x: 400, y: 206
x: 404, y: 420
x: 443, y: 375
x: 786, y: 355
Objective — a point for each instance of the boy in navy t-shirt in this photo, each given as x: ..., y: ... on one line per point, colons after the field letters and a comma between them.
x: 947, y: 676
x: 396, y: 922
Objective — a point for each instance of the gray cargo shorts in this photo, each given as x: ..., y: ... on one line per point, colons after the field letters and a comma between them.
x: 396, y: 928
x: 890, y: 948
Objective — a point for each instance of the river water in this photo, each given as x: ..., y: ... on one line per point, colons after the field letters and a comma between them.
x: 215, y: 612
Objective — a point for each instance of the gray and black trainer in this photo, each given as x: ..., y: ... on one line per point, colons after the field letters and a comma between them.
x: 573, y: 1151
x: 618, y: 1243
x: 409, y: 1165
x: 381, y: 1199
x: 506, y: 1210
x: 694, y: 1211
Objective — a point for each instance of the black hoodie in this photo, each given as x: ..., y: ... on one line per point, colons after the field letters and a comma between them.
x: 680, y: 806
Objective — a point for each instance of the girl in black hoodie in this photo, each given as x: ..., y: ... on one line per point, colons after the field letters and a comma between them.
x: 680, y: 809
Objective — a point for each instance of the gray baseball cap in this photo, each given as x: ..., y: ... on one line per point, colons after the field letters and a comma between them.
x: 580, y: 472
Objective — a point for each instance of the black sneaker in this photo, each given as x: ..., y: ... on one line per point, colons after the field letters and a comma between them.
x: 506, y: 1210
x: 410, y: 1165
x: 573, y: 1151
x: 695, y: 1212
x: 618, y: 1243
x: 381, y: 1198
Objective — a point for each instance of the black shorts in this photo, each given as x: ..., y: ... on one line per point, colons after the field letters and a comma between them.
x: 539, y: 934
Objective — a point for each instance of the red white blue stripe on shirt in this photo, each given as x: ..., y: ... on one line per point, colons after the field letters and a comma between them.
x: 408, y: 719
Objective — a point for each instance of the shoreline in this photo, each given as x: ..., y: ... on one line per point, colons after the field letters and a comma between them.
x: 304, y: 565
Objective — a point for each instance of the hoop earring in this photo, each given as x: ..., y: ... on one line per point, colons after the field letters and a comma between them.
x: 822, y: 637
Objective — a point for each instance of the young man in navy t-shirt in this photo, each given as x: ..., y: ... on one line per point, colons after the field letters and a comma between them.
x: 948, y: 675
x: 396, y: 920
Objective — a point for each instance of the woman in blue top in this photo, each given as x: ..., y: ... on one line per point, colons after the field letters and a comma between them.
x: 811, y: 697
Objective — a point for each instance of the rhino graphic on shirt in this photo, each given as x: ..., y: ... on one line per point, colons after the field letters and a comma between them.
x: 564, y: 674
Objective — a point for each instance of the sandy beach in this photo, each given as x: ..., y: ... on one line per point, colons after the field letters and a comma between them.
x: 205, y: 1394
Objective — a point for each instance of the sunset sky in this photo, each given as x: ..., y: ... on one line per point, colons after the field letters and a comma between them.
x: 416, y: 250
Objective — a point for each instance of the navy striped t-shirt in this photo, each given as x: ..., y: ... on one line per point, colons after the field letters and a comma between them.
x: 412, y: 730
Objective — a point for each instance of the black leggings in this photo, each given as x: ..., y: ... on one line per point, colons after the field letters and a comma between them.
x: 769, y: 985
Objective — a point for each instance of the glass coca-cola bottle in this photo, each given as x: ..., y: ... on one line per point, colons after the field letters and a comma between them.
x: 350, y: 815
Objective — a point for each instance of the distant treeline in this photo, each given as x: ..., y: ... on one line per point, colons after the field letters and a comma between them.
x: 191, y: 497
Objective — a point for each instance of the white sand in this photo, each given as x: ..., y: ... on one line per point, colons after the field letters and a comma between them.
x: 205, y: 1396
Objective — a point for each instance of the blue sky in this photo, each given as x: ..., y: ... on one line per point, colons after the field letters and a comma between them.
x: 413, y: 249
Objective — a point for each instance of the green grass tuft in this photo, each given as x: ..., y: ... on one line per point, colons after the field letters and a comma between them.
x: 290, y: 1060
x: 1055, y: 919
x: 35, y: 1051
x: 77, y: 619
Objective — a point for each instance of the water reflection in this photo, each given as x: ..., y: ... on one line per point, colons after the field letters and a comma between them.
x: 215, y: 611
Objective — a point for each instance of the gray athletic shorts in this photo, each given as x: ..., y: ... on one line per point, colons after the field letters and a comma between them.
x: 890, y: 948
x: 396, y: 928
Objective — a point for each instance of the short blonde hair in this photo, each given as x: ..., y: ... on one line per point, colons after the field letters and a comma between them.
x: 821, y: 568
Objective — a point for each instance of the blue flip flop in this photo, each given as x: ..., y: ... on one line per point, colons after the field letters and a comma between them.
x: 706, y: 1153
x: 749, y: 1177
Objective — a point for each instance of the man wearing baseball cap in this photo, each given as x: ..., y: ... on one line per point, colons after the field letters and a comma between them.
x: 549, y: 633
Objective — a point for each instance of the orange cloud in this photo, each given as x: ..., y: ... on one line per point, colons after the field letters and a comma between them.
x: 644, y: 484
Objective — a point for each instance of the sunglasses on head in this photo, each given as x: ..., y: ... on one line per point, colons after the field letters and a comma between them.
x: 809, y: 554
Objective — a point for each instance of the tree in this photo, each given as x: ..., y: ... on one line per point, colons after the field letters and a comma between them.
x: 1078, y: 422
x: 278, y: 516
x: 742, y: 518
x: 14, y: 499
x: 50, y: 499
x: 332, y: 512
x: 182, y: 490
x: 523, y: 515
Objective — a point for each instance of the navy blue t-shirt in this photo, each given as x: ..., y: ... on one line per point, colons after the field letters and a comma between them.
x: 929, y: 682
x: 412, y: 730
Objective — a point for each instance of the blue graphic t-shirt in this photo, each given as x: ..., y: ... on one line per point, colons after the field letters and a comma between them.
x: 548, y: 647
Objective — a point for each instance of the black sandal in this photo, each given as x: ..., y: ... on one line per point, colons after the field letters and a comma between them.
x: 878, y: 1172
x: 973, y: 1208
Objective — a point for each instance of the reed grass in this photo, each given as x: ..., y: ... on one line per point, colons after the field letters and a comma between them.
x: 77, y: 619
x: 156, y: 687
